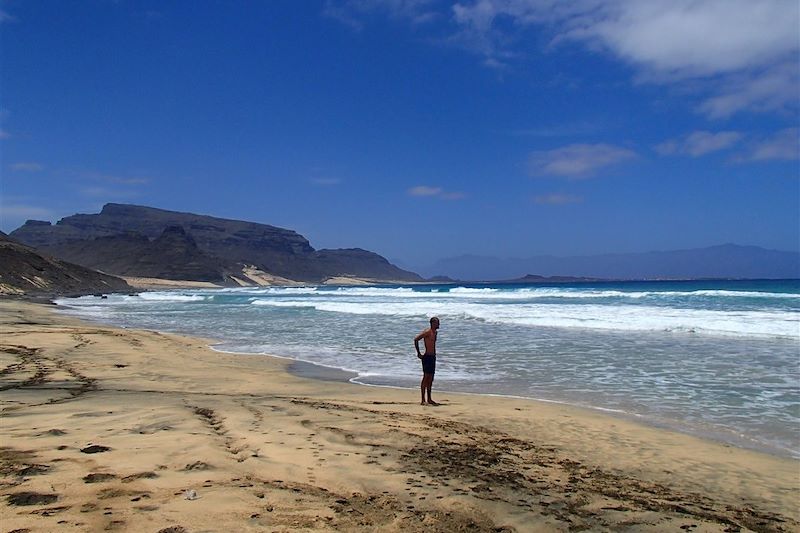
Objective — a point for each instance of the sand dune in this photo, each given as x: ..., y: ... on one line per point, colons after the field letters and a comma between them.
x: 113, y: 429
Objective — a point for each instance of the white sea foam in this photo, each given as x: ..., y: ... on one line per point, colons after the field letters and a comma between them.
x: 515, y: 293
x: 169, y: 297
x: 586, y: 316
x: 285, y: 303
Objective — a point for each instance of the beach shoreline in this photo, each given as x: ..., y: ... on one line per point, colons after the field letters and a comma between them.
x: 266, y: 448
x: 319, y: 371
x: 700, y: 354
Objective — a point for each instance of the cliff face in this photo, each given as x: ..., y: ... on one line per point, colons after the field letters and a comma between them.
x: 26, y: 271
x: 172, y: 255
x: 117, y: 238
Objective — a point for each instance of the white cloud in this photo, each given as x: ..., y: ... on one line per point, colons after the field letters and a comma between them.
x: 577, y: 161
x: 699, y: 143
x: 557, y: 199
x: 739, y: 55
x: 690, y: 38
x: 784, y: 145
x: 666, y: 36
x: 425, y: 190
x: 27, y: 167
x: 746, y: 50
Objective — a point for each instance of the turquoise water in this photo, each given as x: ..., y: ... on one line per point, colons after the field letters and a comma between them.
x: 719, y: 359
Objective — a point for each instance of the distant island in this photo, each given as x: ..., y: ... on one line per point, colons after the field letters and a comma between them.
x: 725, y: 261
x: 534, y: 278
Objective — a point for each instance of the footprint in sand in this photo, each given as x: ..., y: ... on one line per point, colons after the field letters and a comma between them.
x: 197, y: 465
x: 98, y: 477
x: 31, y: 498
x: 140, y: 475
x: 95, y: 448
x: 147, y: 508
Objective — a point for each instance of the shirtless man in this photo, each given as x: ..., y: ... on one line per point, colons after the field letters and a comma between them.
x: 428, y: 359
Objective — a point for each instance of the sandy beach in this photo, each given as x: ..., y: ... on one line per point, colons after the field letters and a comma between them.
x: 114, y: 429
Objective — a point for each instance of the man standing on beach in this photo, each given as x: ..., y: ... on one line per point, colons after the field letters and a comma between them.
x: 428, y: 359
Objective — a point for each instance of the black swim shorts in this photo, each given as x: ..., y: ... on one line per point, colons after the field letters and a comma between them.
x: 429, y: 363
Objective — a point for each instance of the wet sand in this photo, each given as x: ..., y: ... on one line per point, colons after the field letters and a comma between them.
x: 114, y: 429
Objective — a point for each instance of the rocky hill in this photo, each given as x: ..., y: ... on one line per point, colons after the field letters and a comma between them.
x: 144, y: 241
x: 172, y: 255
x: 26, y: 271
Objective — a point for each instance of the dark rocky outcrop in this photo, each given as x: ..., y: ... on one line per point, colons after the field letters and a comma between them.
x: 26, y: 271
x: 208, y: 249
x: 172, y: 255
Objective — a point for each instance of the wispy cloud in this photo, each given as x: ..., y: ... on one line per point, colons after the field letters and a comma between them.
x: 577, y: 161
x: 24, y: 212
x: 116, y: 179
x: 438, y: 192
x: 453, y: 195
x: 352, y: 12
x: 699, y: 143
x: 784, y: 145
x: 4, y: 134
x: 326, y: 182
x: 558, y: 130
x: 110, y: 186
x: 742, y: 55
x: 773, y: 89
x: 557, y: 199
x: 424, y: 190
x: 5, y: 17
x: 27, y: 167
x: 746, y: 49
x: 109, y: 193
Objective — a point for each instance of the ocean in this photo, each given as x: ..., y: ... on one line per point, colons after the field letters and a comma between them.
x: 715, y: 359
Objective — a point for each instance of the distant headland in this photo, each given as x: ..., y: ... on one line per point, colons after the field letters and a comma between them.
x: 150, y: 246
x: 127, y: 246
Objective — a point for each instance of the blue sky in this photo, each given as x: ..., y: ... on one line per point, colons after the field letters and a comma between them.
x: 419, y: 129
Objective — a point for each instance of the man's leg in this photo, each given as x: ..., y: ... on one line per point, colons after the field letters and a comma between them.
x: 428, y: 388
x: 422, y: 386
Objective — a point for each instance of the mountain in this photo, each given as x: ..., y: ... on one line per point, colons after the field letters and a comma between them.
x: 23, y: 270
x: 723, y: 261
x: 148, y: 242
x: 172, y: 255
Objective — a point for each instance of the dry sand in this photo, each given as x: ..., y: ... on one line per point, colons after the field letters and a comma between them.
x: 107, y: 429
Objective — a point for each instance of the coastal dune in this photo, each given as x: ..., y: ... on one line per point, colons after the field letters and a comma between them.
x: 114, y: 429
